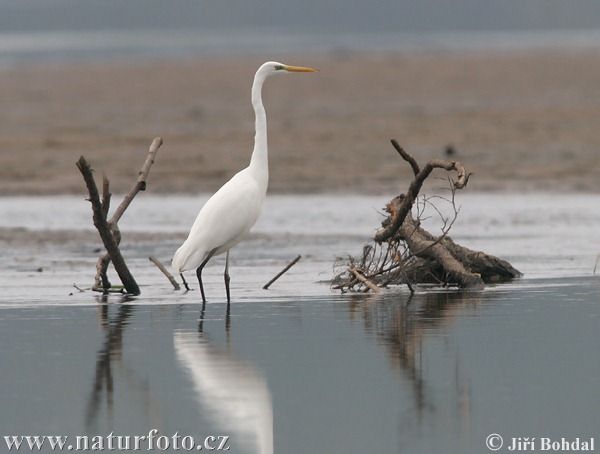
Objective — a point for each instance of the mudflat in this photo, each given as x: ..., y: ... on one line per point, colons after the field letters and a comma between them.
x: 521, y: 121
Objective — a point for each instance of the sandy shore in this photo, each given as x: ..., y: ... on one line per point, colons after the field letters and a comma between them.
x: 518, y: 121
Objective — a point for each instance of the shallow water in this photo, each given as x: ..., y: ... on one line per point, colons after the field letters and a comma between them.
x: 300, y: 368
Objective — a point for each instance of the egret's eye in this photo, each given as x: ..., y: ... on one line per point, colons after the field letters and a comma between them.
x: 278, y: 67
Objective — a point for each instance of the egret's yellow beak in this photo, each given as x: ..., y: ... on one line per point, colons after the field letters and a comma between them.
x: 300, y: 69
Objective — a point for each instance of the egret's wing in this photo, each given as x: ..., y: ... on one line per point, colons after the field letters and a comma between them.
x: 222, y: 222
x: 229, y: 213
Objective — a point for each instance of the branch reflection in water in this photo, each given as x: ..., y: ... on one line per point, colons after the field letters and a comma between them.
x: 110, y: 364
x: 234, y: 393
x: 402, y: 323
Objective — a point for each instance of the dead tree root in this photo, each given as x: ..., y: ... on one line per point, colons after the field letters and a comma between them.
x: 402, y: 252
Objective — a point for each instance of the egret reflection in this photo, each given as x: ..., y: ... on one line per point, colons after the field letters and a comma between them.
x: 232, y: 392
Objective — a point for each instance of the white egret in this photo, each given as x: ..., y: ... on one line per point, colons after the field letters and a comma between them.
x: 232, y: 211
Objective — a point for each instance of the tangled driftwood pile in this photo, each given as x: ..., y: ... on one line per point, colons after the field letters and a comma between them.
x: 402, y: 252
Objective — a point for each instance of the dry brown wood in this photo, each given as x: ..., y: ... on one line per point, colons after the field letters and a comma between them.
x: 415, y: 186
x: 407, y: 157
x: 424, y: 245
x: 282, y: 272
x: 404, y: 253
x: 361, y: 277
x: 140, y: 184
x: 161, y: 267
x: 105, y: 231
x: 101, y: 282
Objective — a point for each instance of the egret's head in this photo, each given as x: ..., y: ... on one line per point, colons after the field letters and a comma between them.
x: 273, y: 67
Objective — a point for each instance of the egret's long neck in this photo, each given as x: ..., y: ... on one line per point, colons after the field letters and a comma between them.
x: 259, y: 164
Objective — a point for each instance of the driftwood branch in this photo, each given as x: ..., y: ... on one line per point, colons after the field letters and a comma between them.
x: 101, y: 282
x: 101, y: 209
x: 426, y: 246
x: 407, y: 157
x: 415, y: 187
x: 105, y: 196
x: 108, y: 239
x: 140, y: 184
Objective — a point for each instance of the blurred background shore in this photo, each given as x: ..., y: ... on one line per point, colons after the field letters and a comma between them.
x: 519, y: 108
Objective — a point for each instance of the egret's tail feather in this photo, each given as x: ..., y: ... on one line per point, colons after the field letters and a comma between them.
x: 177, y: 262
x: 186, y: 258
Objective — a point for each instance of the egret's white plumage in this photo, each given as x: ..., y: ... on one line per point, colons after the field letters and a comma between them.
x: 232, y: 211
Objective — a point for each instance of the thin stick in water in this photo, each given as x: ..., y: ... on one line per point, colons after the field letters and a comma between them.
x: 165, y: 272
x: 292, y: 263
x: 365, y: 281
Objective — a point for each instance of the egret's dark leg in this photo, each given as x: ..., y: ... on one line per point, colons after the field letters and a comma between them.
x: 199, y: 273
x: 227, y: 279
x: 185, y: 284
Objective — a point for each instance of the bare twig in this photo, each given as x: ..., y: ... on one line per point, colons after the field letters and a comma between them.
x: 165, y: 272
x: 140, y: 184
x: 80, y: 289
x: 281, y: 273
x: 447, y: 223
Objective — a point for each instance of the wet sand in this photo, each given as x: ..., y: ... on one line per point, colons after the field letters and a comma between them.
x: 519, y: 121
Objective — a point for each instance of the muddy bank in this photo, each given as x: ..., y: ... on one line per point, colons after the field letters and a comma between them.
x: 518, y: 121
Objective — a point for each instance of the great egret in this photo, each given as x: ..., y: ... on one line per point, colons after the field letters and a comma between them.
x: 232, y: 211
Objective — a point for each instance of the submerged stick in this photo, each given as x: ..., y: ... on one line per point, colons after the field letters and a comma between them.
x: 165, y: 272
x: 282, y: 272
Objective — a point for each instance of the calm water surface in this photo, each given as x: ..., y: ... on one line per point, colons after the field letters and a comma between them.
x: 300, y: 368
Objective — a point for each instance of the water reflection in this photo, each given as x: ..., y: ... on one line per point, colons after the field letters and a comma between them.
x: 402, y: 323
x: 111, y: 364
x: 231, y: 391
